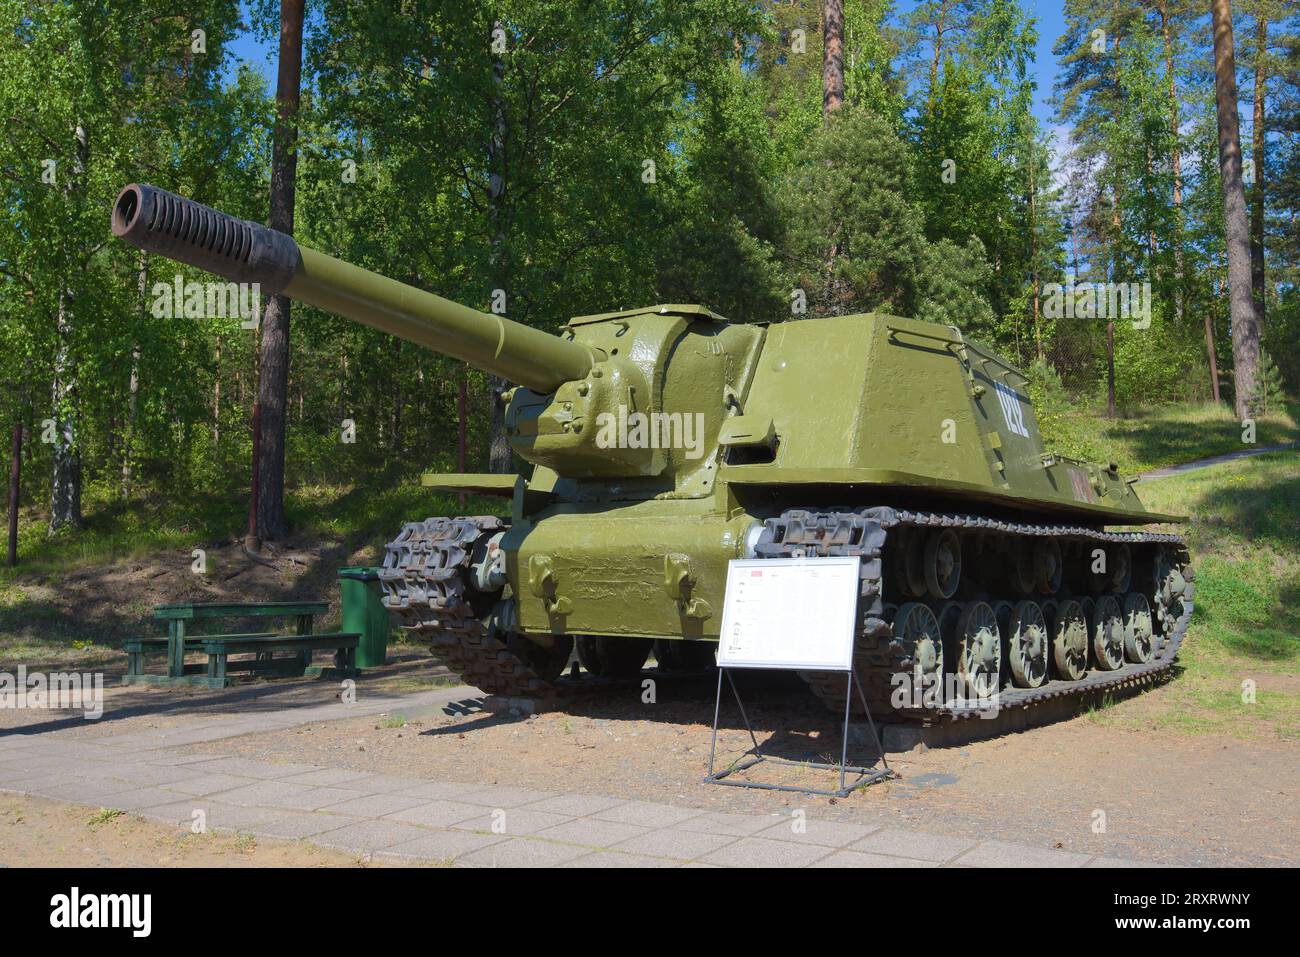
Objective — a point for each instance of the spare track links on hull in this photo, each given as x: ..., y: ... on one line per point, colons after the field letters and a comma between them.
x: 426, y: 583
x: 879, y: 656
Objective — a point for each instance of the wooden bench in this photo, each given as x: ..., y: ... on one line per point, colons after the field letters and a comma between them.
x: 219, y: 648
x: 177, y: 642
x: 138, y: 648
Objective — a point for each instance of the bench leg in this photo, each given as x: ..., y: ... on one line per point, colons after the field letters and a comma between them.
x: 134, y: 664
x: 176, y: 648
x: 217, y: 670
x: 304, y: 626
x: 345, y: 662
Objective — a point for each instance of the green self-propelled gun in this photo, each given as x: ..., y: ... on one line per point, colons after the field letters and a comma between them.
x: 666, y: 441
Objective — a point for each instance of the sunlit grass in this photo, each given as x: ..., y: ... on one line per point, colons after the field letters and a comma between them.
x: 1152, y: 438
x: 357, y: 514
x: 1244, y: 537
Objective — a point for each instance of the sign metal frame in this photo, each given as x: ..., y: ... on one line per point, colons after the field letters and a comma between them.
x: 754, y: 755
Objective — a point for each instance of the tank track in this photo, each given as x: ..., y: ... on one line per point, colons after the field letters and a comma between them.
x: 878, y: 657
x: 426, y: 584
x: 427, y: 570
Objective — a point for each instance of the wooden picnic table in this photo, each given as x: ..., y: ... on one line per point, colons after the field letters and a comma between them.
x: 179, y: 616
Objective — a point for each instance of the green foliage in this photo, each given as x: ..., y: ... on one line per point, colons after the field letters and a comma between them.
x: 932, y: 193
x: 1157, y: 361
x: 857, y: 243
x: 1271, y: 393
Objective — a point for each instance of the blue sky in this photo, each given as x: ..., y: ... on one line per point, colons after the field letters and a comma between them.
x: 1050, y: 16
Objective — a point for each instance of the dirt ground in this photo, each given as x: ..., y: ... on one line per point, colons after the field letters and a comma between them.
x: 1082, y: 784
x: 1162, y: 794
x: 38, y: 833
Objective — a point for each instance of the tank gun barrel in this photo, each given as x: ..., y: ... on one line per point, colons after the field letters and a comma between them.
x: 160, y: 222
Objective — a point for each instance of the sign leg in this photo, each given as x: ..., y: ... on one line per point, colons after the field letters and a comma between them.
x: 717, y: 706
x: 871, y: 722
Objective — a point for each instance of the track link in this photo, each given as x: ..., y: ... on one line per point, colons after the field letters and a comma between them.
x: 879, y: 656
x: 426, y: 584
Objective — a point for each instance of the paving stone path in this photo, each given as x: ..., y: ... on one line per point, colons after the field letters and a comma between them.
x: 405, y: 819
x: 1215, y: 460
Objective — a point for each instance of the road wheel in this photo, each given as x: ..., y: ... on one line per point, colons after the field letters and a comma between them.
x: 979, y: 650
x: 608, y: 657
x: 1027, y: 645
x: 1108, y: 634
x: 1137, y: 628
x: 1070, y: 641
x: 679, y: 654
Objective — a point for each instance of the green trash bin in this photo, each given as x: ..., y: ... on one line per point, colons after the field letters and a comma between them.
x: 364, y: 612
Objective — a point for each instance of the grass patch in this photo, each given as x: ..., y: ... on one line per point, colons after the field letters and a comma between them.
x: 1142, y: 440
x: 104, y: 815
x: 1244, y: 535
x: 369, y: 513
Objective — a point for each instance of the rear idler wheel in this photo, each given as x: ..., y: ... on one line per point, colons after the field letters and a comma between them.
x: 1138, y: 631
x: 1070, y: 641
x: 1108, y: 634
x: 979, y: 650
x: 680, y: 654
x: 608, y: 657
x: 942, y: 563
x: 1027, y: 645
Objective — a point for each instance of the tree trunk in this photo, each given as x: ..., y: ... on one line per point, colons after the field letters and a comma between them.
x: 274, y: 377
x: 65, y: 486
x: 216, y: 402
x: 832, y: 56
x: 133, y: 384
x: 500, y: 459
x: 1176, y: 161
x: 65, y: 494
x: 1245, y: 324
x: 461, y: 396
x: 1211, y: 353
x: 1110, y: 370
x: 15, y: 485
x: 939, y: 28
x: 499, y: 454
x: 1033, y: 254
x: 1257, y: 161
